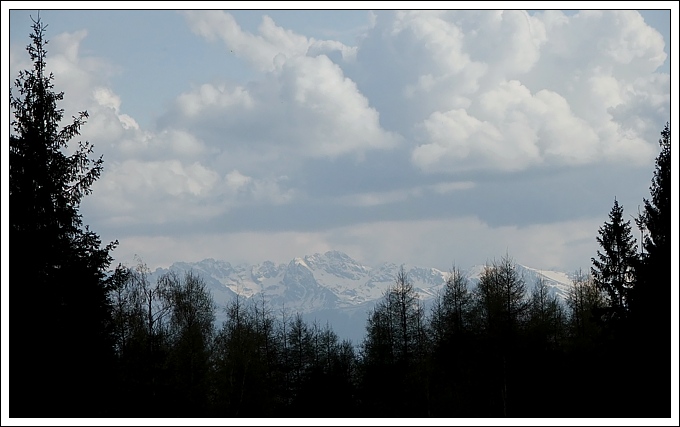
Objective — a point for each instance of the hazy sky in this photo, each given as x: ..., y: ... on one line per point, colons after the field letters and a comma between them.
x: 426, y: 137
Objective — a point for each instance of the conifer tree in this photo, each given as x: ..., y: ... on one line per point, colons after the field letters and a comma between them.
x: 614, y: 269
x: 657, y: 215
x: 64, y: 341
x: 656, y: 221
x: 650, y: 305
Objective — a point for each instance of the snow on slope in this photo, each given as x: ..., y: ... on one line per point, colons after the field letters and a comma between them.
x: 335, y: 280
x: 332, y: 286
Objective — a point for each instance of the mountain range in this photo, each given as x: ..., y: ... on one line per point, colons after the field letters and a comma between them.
x: 331, y: 287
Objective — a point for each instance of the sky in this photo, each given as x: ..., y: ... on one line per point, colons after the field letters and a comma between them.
x: 424, y: 137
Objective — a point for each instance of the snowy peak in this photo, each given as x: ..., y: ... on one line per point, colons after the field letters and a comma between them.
x: 332, y: 286
x: 333, y: 280
x: 558, y: 282
x: 337, y: 264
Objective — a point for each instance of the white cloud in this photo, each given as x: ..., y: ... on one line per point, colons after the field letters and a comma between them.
x: 330, y: 116
x: 328, y: 47
x: 235, y: 180
x: 77, y: 75
x: 260, y: 50
x: 121, y: 137
x: 163, y: 177
x: 159, y: 179
x: 208, y: 97
x: 304, y: 103
x: 106, y: 98
x: 631, y: 40
x: 548, y: 89
x: 458, y: 142
x: 169, y: 191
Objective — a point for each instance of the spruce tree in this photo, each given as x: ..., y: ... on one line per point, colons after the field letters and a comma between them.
x: 614, y: 269
x: 651, y: 307
x: 61, y: 347
x: 657, y: 215
x: 656, y: 221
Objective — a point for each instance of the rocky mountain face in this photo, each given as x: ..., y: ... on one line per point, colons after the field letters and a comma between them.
x: 330, y: 287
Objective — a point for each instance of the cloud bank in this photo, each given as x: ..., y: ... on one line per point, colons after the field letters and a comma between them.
x: 427, y: 106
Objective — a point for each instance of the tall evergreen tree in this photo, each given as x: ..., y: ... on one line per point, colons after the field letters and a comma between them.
x: 651, y: 307
x: 614, y: 269
x: 656, y: 221
x: 657, y: 215
x: 614, y: 272
x: 61, y: 346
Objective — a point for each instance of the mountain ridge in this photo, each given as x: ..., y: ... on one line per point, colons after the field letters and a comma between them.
x: 332, y: 285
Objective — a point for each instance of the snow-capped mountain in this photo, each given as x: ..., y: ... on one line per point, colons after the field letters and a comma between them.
x: 332, y: 286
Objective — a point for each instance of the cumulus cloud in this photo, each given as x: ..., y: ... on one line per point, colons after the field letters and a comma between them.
x: 519, y: 130
x: 260, y: 50
x: 134, y: 192
x: 77, y: 74
x: 504, y: 90
x: 331, y: 116
x: 208, y: 97
x: 330, y: 47
x: 303, y: 101
x: 267, y: 50
x: 458, y: 141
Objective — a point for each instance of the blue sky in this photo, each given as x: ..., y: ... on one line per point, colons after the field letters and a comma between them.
x: 429, y: 138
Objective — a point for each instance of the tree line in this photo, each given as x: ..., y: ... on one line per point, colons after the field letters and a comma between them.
x: 88, y: 340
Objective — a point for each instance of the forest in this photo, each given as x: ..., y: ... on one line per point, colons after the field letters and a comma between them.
x: 104, y: 341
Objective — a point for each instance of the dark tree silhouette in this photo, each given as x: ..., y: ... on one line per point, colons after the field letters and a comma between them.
x: 546, y: 317
x: 650, y: 305
x: 657, y: 215
x: 190, y: 331
x: 656, y: 221
x: 140, y: 319
x: 584, y: 300
x: 614, y: 269
x: 60, y: 338
x: 501, y: 306
x: 393, y: 352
